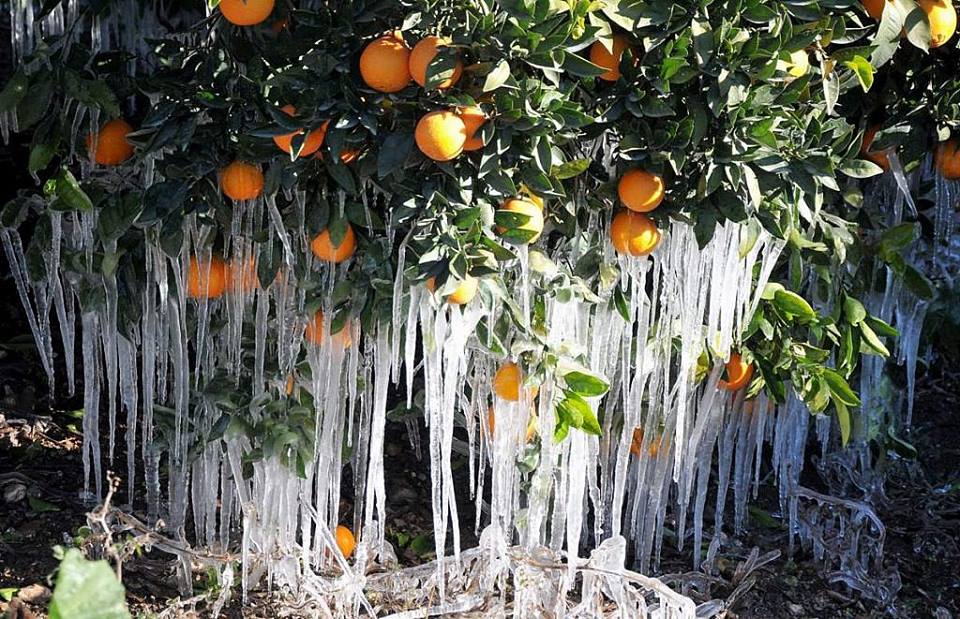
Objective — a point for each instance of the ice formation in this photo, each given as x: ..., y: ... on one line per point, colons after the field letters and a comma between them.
x: 318, y: 407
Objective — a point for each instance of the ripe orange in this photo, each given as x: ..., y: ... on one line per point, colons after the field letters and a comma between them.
x: 246, y: 12
x: 464, y: 292
x: 600, y: 56
x: 206, y: 280
x: 947, y: 159
x: 636, y: 443
x: 241, y: 181
x: 874, y: 8
x: 739, y: 373
x: 507, y: 381
x: 529, y: 195
x: 524, y: 206
x: 324, y: 249
x: 881, y: 157
x: 441, y: 135
x: 943, y: 20
x: 633, y: 233
x: 312, y: 141
x: 112, y: 146
x: 315, y: 335
x: 384, y: 63
x: 640, y: 191
x: 242, y: 277
x: 473, y: 119
x: 423, y: 54
x: 345, y: 541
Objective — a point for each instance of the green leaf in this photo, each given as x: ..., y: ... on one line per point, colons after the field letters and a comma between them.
x: 840, y: 388
x: 871, y: 340
x: 860, y: 168
x: 68, y: 190
x: 394, y: 153
x: 579, y: 66
x: 87, y: 589
x: 589, y: 385
x: 497, y: 77
x: 917, y: 282
x: 793, y: 304
x: 898, y: 237
x: 7, y: 593
x: 575, y: 412
x: 570, y: 169
x: 853, y: 310
x: 864, y: 71
x: 843, y: 418
x: 14, y: 91
x: 881, y: 328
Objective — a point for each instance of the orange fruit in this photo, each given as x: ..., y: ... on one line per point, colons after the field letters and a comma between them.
x: 242, y: 277
x: 881, y: 157
x: 206, y: 280
x: 246, y: 12
x: 473, y: 119
x: 640, y: 191
x: 636, y: 443
x: 507, y: 381
x: 112, y: 146
x: 464, y: 292
x: 441, y: 135
x: 529, y: 195
x: 874, y: 8
x: 532, y: 425
x: 947, y: 159
x: 423, y: 54
x: 603, y: 58
x: 633, y: 233
x: 943, y: 20
x: 345, y: 541
x: 324, y: 249
x: 314, y: 334
x: 524, y: 206
x: 312, y: 141
x: 241, y: 181
x: 289, y: 385
x: 384, y: 63
x: 739, y: 373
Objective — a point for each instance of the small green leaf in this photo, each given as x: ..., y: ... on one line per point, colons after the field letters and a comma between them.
x: 588, y: 385
x: 871, y: 340
x: 853, y: 310
x: 843, y: 418
x: 864, y: 71
x: 840, y: 388
x: 793, y: 304
x: 7, y: 593
x: 570, y: 169
x: 497, y: 77
x: 41, y: 506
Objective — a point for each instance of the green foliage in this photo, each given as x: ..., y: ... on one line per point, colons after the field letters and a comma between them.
x: 87, y: 590
x: 711, y: 97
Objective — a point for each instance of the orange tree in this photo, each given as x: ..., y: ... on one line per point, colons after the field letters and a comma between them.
x: 447, y: 139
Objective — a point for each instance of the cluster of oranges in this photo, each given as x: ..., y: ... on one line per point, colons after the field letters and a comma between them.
x: 631, y: 232
x: 941, y: 15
